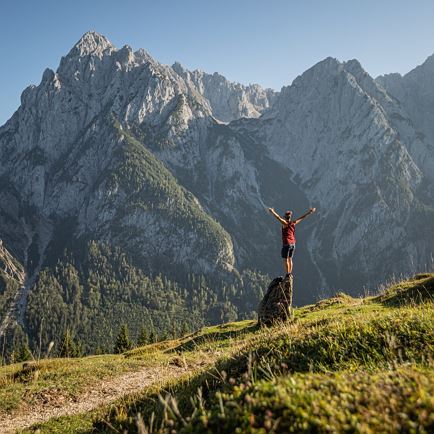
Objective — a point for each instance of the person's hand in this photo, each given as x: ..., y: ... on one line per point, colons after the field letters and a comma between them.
x: 312, y: 210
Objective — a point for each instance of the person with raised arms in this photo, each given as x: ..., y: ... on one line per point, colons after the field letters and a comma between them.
x: 288, y: 236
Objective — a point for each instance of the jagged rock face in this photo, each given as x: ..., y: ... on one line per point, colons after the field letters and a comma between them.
x: 414, y: 93
x: 277, y: 303
x: 117, y: 147
x: 229, y: 101
x: 333, y: 130
x: 61, y: 152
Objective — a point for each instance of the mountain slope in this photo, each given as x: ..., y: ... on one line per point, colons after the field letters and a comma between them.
x: 360, y: 361
x: 414, y: 93
x: 158, y: 167
x: 366, y: 363
x: 75, y: 172
x: 331, y: 128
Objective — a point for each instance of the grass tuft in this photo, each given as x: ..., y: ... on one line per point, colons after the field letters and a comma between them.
x: 416, y: 290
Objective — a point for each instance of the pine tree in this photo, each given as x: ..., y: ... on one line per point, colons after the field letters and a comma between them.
x: 185, y: 329
x: 20, y: 353
x: 174, y: 330
x: 99, y: 350
x: 20, y: 346
x: 152, y: 337
x: 69, y: 348
x: 143, y: 338
x: 24, y: 353
x: 123, y: 342
x: 163, y: 337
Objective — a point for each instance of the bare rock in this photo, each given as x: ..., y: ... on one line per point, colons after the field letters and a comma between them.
x: 277, y: 302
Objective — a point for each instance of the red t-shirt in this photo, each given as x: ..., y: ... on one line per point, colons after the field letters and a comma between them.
x: 288, y: 234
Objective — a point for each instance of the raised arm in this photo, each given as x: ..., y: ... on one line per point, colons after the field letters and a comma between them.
x: 311, y: 211
x: 281, y: 220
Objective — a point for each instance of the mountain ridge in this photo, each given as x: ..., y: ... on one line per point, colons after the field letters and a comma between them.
x: 117, y: 149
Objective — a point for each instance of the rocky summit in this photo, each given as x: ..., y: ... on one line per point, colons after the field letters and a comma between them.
x: 135, y: 192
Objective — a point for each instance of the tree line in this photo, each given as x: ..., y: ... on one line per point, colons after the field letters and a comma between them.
x: 88, y: 299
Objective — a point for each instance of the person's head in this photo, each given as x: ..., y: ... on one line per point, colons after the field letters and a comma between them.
x: 287, y: 216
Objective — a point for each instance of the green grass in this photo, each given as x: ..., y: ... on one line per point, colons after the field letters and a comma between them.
x: 354, y: 348
x: 52, y: 379
x: 343, y: 365
x: 211, y: 337
x: 418, y: 289
x: 77, y: 424
x: 394, y: 401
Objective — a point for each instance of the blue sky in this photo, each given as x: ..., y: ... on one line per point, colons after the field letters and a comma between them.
x: 268, y: 42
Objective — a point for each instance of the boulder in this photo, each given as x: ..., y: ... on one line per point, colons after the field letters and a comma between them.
x: 277, y: 303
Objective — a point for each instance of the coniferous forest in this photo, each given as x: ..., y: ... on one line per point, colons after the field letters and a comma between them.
x: 86, y: 306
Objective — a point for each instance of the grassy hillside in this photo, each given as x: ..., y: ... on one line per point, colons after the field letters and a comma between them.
x: 343, y: 365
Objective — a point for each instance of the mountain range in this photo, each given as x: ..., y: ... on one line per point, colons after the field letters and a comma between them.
x: 135, y: 192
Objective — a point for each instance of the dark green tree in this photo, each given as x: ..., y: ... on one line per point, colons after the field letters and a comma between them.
x: 20, y: 346
x: 174, y: 330
x: 143, y: 337
x: 185, y: 329
x: 123, y: 342
x: 152, y: 337
x: 22, y: 353
x: 69, y: 348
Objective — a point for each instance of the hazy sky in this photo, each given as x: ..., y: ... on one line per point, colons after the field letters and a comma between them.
x: 268, y: 42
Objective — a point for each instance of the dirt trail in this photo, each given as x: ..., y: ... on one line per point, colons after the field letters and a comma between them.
x: 100, y: 394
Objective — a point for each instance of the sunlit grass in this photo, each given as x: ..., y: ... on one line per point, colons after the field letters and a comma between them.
x: 343, y: 364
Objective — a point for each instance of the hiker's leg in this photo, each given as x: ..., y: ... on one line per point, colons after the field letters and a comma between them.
x: 290, y: 255
x: 289, y: 265
x: 284, y: 254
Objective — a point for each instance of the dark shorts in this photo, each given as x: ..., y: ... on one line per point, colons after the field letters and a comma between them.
x: 288, y: 251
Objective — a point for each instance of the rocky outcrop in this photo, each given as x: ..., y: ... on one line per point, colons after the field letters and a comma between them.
x: 276, y: 305
x: 10, y: 266
x: 12, y: 270
x: 228, y: 100
x: 413, y: 94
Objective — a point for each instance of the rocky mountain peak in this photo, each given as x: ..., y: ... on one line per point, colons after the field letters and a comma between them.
x: 328, y: 64
x: 178, y: 68
x: 415, y: 93
x: 91, y: 43
x: 316, y: 73
x: 117, y: 148
x: 143, y: 56
x: 90, y: 51
x: 48, y: 75
x: 392, y: 76
x: 328, y: 75
x: 354, y: 67
x: 425, y: 71
x: 427, y: 68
